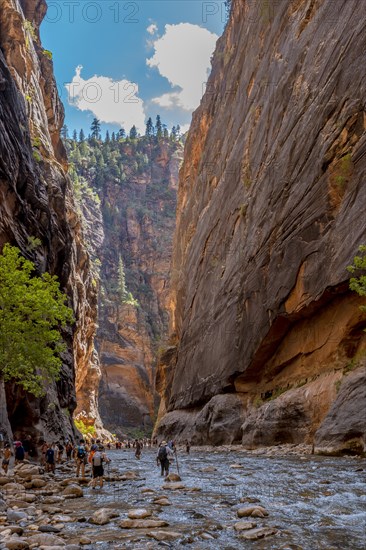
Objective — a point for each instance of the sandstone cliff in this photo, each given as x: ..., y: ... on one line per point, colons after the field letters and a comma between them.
x: 136, y: 181
x: 267, y: 343
x: 37, y: 202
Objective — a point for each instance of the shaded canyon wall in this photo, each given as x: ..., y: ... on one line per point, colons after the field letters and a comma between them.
x: 36, y: 202
x: 267, y: 343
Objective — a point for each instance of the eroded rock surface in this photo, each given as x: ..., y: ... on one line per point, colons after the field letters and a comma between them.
x: 36, y: 202
x: 270, y: 199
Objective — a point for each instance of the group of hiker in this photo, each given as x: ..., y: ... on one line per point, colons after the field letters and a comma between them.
x: 83, y: 453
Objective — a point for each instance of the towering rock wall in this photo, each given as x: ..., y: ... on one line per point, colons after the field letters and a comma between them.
x: 36, y: 203
x: 139, y: 220
x: 267, y: 342
x: 126, y: 194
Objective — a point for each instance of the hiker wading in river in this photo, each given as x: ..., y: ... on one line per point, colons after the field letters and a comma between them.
x: 99, y: 458
x: 164, y: 452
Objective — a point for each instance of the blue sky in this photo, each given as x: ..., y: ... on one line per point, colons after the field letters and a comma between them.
x: 123, y: 61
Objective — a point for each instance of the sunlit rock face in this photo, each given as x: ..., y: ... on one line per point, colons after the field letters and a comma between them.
x: 36, y: 202
x: 138, y: 223
x: 271, y: 207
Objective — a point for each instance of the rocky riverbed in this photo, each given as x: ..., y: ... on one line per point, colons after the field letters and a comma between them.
x: 227, y: 498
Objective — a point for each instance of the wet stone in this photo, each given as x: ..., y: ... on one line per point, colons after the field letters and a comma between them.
x: 260, y: 533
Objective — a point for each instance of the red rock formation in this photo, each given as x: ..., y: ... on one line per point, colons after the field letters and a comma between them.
x: 36, y: 201
x: 270, y: 213
x: 138, y: 222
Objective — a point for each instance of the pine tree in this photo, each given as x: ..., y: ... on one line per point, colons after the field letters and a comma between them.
x: 158, y: 127
x: 95, y: 128
x: 107, y: 137
x: 133, y: 132
x: 64, y: 132
x: 121, y: 134
x: 81, y: 136
x: 173, y: 134
x: 165, y: 132
x: 75, y: 135
x: 149, y: 128
x: 178, y: 131
x: 113, y: 137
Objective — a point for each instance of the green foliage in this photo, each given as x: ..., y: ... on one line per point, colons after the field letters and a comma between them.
x: 48, y: 54
x: 32, y: 310
x: 33, y: 243
x: 258, y: 402
x: 30, y: 31
x: 125, y: 296
x: 358, y: 284
x: 37, y: 156
x: 85, y: 430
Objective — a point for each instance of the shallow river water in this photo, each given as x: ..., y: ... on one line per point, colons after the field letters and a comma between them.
x: 313, y: 502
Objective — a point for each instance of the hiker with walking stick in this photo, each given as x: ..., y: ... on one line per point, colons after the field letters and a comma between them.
x: 164, y: 452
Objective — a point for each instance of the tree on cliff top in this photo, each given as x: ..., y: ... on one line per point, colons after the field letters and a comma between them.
x: 32, y: 309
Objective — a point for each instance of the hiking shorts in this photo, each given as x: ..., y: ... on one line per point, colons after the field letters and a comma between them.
x: 98, y: 471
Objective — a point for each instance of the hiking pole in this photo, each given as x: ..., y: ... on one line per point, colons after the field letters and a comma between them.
x: 176, y: 460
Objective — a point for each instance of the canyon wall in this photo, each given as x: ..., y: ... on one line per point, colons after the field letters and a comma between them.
x: 37, y: 203
x: 139, y: 221
x: 267, y: 343
x: 126, y: 190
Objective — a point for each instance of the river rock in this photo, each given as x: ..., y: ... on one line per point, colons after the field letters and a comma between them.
x: 13, y: 488
x: 164, y: 535
x: 251, y: 500
x: 174, y: 486
x: 14, y: 529
x: 48, y: 529
x: 37, y: 483
x: 142, y: 523
x: 16, y: 515
x: 253, y: 511
x: 260, y: 533
x: 5, y: 480
x: 244, y: 525
x: 162, y: 502
x: 73, y: 491
x: 46, y: 539
x: 103, y: 516
x: 173, y: 477
x: 84, y: 540
x: 140, y: 513
x: 16, y: 544
x: 26, y: 470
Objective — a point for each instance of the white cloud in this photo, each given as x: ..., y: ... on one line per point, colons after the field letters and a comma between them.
x: 152, y: 29
x: 182, y: 55
x: 112, y: 101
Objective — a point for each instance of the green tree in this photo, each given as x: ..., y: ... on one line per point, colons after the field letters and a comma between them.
x: 64, y: 132
x: 81, y: 136
x: 75, y: 135
x: 149, y: 128
x: 121, y: 134
x: 32, y: 310
x: 107, y: 137
x: 159, y: 127
x: 125, y: 296
x: 358, y: 284
x: 133, y: 132
x: 95, y: 128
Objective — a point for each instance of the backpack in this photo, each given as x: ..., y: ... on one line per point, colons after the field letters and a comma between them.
x: 81, y: 452
x: 163, y: 453
x: 19, y: 453
x: 97, y: 459
x: 50, y: 455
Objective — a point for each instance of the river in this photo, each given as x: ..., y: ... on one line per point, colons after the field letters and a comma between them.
x: 313, y: 502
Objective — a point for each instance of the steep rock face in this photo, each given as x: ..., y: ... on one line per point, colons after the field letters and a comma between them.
x: 36, y: 202
x: 138, y: 218
x: 270, y: 200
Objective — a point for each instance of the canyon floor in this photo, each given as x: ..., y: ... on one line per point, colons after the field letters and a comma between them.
x: 281, y: 498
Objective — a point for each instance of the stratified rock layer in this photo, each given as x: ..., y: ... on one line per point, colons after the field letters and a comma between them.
x: 138, y: 224
x: 270, y: 212
x: 36, y: 203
